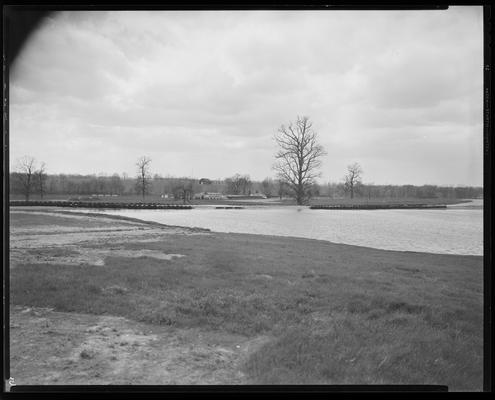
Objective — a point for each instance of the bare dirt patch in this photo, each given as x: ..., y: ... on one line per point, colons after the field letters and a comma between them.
x: 49, y: 347
x: 76, y: 255
x: 40, y: 237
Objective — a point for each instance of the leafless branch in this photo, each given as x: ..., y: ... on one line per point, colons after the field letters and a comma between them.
x: 299, y: 156
x: 353, y: 177
x: 25, y: 172
x: 143, y: 180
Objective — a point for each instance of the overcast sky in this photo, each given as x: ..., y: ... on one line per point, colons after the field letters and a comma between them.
x: 203, y: 93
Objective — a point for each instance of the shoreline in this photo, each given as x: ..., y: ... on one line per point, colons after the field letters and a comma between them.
x: 273, y: 201
x: 109, y: 216
x: 207, y: 230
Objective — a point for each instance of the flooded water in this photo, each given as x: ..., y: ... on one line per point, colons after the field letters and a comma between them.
x: 455, y: 230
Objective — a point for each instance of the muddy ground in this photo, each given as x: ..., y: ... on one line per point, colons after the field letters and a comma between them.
x: 49, y: 347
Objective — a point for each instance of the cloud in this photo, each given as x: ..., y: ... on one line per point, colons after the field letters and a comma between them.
x: 209, y: 90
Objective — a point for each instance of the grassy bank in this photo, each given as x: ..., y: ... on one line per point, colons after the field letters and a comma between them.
x: 335, y: 313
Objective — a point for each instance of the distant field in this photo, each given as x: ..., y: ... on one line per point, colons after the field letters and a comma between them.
x: 324, y: 313
x: 271, y: 201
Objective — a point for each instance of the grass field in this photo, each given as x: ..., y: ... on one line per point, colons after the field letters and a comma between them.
x: 334, y: 314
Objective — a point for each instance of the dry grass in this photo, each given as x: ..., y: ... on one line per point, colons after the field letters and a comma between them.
x: 337, y: 313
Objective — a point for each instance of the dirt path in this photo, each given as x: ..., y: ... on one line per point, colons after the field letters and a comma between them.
x: 49, y: 347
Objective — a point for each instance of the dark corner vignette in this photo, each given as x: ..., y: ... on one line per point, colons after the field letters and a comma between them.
x: 18, y: 23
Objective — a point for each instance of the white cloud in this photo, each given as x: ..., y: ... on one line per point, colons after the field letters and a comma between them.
x: 401, y: 92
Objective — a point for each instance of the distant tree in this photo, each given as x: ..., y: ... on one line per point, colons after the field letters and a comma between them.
x: 299, y: 157
x: 353, y: 178
x: 231, y: 187
x: 101, y: 182
x: 267, y: 187
x: 143, y: 180
x: 40, y: 177
x: 52, y: 184
x: 239, y: 184
x: 183, y: 190
x: 127, y: 183
x: 367, y: 190
x: 26, y: 169
x: 116, y: 184
x: 314, y: 190
x: 332, y: 189
x: 340, y: 190
x: 245, y: 184
x: 429, y: 192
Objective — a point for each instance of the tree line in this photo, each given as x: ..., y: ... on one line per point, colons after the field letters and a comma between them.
x: 297, y: 164
x: 87, y: 185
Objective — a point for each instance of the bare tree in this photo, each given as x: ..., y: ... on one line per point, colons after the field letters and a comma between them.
x: 299, y: 157
x: 25, y: 173
x: 239, y: 184
x: 232, y: 185
x: 116, y: 184
x: 245, y: 184
x: 353, y: 177
x: 40, y: 175
x: 267, y: 187
x: 143, y: 180
x: 184, y: 190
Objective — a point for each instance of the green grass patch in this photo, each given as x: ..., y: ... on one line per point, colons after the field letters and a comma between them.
x: 349, y: 349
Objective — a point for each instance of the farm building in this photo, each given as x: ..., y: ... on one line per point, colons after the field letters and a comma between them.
x: 209, y: 196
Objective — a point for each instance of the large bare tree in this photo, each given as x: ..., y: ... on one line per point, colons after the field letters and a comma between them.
x: 26, y: 169
x: 353, y: 177
x: 143, y: 180
x: 299, y: 157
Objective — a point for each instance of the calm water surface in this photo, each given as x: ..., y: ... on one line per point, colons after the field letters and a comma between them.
x: 455, y: 230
